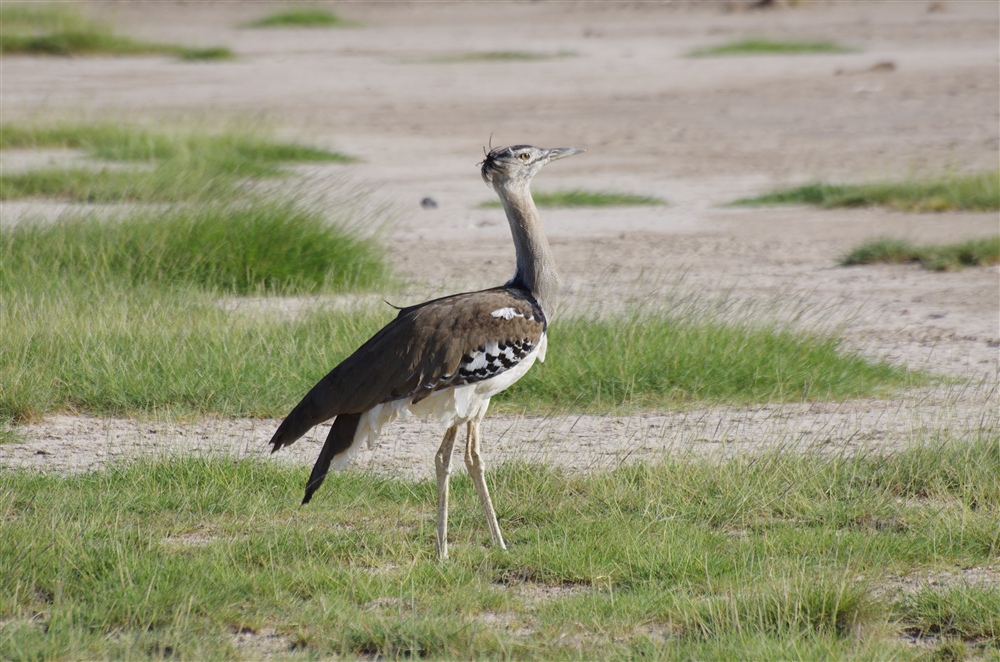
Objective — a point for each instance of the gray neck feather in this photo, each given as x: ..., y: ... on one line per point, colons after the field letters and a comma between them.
x: 536, y: 269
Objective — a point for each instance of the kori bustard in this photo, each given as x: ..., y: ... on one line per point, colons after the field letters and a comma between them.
x: 445, y: 358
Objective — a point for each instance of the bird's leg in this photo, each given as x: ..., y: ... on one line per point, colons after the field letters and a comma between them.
x: 442, y: 462
x: 474, y: 463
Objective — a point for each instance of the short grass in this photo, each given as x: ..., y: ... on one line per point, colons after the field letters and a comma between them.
x: 771, y: 47
x: 582, y: 198
x: 775, y: 556
x: 231, y: 147
x: 942, y: 257
x: 57, y: 29
x: 299, y: 18
x: 207, y: 53
x: 499, y: 56
x: 179, y: 165
x: 975, y: 192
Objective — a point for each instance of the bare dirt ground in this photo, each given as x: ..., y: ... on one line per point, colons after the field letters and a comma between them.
x: 698, y: 132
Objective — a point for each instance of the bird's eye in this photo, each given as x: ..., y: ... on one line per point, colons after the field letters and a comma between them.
x: 524, y: 156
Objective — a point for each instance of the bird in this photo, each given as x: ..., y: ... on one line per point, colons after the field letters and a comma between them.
x: 444, y: 359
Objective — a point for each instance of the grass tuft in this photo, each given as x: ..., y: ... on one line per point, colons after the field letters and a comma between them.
x: 771, y: 47
x: 298, y: 18
x: 209, y: 53
x: 267, y: 247
x: 498, y: 56
x: 687, y: 558
x: 42, y: 29
x: 947, y: 257
x: 968, y: 612
x: 580, y: 198
x: 977, y: 192
x: 185, y: 166
x: 640, y: 361
x: 109, y: 299
x: 123, y: 352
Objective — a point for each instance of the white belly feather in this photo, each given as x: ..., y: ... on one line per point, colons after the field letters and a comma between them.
x: 451, y: 406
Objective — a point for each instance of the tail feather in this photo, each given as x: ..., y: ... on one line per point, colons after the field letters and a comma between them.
x: 338, y: 441
x: 314, y: 408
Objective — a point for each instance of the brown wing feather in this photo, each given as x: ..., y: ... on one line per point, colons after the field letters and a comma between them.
x: 418, y: 352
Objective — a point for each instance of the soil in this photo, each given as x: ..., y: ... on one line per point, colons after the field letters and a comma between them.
x: 921, y: 96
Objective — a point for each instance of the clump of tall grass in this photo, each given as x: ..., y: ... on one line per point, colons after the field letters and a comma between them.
x: 975, y: 192
x: 637, y: 361
x: 124, y: 353
x: 763, y: 555
x: 581, y: 198
x: 263, y: 247
x: 771, y: 47
x: 943, y: 257
x: 50, y: 29
x: 299, y: 18
x: 116, y: 349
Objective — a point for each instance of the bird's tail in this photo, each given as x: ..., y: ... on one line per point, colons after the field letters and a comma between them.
x: 317, y: 406
x: 338, y: 441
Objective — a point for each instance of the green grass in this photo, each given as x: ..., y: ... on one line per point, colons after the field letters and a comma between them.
x: 180, y: 166
x: 142, y: 287
x: 646, y: 361
x: 771, y: 47
x: 947, y: 257
x: 108, y: 341
x: 299, y: 18
x: 41, y: 29
x: 498, y: 56
x: 580, y: 198
x: 208, y: 53
x: 774, y: 556
x: 231, y: 147
x: 128, y: 350
x: 976, y: 192
x: 263, y: 247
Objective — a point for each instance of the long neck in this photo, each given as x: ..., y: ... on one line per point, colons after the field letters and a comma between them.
x: 536, y: 269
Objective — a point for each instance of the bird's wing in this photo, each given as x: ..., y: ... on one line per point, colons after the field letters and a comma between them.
x: 460, y: 339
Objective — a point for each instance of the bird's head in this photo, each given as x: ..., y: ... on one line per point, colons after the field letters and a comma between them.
x: 504, y: 166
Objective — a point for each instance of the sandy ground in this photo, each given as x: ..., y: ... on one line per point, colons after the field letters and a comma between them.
x: 696, y: 132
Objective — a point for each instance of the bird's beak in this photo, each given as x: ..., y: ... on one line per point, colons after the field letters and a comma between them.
x: 557, y: 153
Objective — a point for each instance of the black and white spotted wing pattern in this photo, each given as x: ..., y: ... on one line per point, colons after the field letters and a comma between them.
x: 492, y: 359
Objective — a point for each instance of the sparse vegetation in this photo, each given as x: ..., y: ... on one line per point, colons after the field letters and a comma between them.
x: 771, y: 47
x: 946, y: 257
x: 770, y: 556
x: 299, y: 18
x: 232, y: 148
x: 499, y: 56
x: 184, y: 166
x: 50, y: 29
x: 976, y: 192
x: 208, y: 53
x: 580, y: 198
